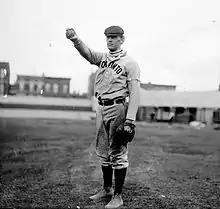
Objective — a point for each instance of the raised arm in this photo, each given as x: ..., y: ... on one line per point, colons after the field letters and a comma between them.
x: 91, y: 56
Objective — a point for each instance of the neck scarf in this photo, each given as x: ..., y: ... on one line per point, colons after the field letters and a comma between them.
x: 116, y: 55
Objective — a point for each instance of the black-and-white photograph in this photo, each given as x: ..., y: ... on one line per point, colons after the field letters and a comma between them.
x: 110, y: 104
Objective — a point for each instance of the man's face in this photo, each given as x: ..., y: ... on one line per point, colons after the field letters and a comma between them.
x: 114, y: 42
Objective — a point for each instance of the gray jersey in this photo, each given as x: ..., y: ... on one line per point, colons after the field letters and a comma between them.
x: 114, y: 73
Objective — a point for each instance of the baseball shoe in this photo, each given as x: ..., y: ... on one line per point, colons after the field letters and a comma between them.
x: 116, y: 202
x: 102, y: 194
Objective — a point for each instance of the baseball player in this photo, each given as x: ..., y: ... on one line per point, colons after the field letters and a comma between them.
x: 117, y: 88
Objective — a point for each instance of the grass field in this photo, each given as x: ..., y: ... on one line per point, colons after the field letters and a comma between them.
x: 51, y: 164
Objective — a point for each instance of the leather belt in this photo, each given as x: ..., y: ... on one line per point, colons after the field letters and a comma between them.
x: 109, y: 102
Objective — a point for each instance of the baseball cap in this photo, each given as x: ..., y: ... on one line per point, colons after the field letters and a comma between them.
x: 114, y: 31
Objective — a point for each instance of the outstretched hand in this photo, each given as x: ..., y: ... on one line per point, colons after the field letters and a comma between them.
x: 71, y: 34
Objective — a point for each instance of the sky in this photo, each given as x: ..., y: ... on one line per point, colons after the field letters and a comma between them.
x: 175, y: 42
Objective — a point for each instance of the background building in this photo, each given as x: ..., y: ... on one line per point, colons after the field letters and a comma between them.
x: 149, y: 113
x: 186, y: 106
x: 56, y: 87
x: 4, y: 78
x: 157, y: 87
x: 91, y: 82
x: 42, y: 85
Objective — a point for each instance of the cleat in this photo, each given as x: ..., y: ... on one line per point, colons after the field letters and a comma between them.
x: 116, y: 202
x: 102, y: 194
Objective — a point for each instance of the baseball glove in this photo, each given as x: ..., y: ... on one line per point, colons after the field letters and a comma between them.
x: 125, y: 132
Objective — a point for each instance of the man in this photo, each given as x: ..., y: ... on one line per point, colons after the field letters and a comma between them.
x: 117, y: 81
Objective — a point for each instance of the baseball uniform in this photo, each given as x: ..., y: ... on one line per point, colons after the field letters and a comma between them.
x: 115, y: 71
x: 117, y: 79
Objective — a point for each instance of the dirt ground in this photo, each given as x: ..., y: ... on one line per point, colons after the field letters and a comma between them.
x: 49, y: 163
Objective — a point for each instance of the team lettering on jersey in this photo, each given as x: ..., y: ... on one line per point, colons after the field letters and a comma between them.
x: 114, y: 66
x: 108, y: 72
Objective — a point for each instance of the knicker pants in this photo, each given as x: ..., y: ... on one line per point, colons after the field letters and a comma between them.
x: 109, y: 151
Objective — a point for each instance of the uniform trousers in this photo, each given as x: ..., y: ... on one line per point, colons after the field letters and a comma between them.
x: 109, y: 151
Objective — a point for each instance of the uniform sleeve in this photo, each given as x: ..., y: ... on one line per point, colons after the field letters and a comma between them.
x: 133, y: 80
x: 133, y: 71
x: 134, y: 99
x: 91, y: 56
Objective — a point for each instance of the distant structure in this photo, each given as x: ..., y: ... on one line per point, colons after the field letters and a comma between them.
x: 42, y: 85
x: 91, y: 84
x: 4, y: 78
x: 157, y: 87
x: 150, y: 112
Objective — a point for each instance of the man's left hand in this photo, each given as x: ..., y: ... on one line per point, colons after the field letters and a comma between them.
x: 126, y: 131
